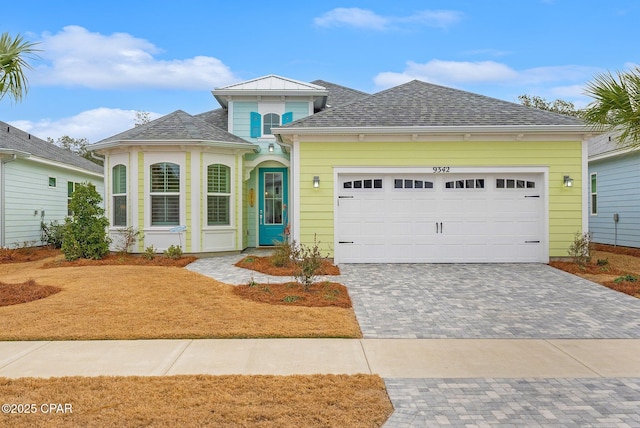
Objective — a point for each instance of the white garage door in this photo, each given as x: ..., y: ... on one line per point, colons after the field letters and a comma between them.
x: 447, y: 218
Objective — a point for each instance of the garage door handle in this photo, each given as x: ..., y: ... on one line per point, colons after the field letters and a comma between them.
x: 343, y: 197
x: 532, y: 196
x: 531, y: 242
x: 440, y: 228
x: 345, y: 242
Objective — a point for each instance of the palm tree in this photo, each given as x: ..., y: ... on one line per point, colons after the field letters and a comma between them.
x: 616, y: 105
x: 14, y: 53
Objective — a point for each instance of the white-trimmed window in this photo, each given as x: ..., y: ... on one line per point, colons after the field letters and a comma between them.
x: 165, y: 194
x: 53, y: 182
x: 218, y: 195
x: 119, y: 194
x: 270, y: 120
x: 594, y: 194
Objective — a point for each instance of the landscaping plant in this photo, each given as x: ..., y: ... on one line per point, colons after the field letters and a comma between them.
x: 85, y: 230
x: 307, y: 261
x: 580, y: 249
x: 52, y: 233
x: 173, y: 252
x: 128, y: 237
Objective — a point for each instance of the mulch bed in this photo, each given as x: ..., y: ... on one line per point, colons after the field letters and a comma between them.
x: 588, y: 269
x: 28, y: 254
x: 616, y: 249
x: 265, y: 265
x: 320, y: 294
x: 14, y: 294
x: 115, y: 259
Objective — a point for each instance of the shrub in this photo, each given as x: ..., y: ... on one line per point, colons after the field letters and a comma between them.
x: 85, y: 231
x: 52, y: 234
x: 580, y: 249
x: 128, y: 237
x: 308, y: 261
x: 173, y: 252
x: 626, y: 278
x: 282, y: 254
x: 149, y: 253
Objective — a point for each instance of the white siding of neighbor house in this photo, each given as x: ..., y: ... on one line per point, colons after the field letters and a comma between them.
x: 29, y: 200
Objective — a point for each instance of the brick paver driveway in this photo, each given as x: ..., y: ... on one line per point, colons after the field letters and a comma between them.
x: 466, y: 301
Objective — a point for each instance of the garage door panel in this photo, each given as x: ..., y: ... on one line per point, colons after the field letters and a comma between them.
x: 470, y: 219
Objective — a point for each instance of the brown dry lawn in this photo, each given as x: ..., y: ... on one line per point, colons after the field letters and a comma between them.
x: 190, y: 401
x: 141, y: 302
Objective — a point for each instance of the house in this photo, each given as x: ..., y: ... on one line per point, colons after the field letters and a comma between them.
x: 415, y: 173
x: 37, y: 179
x: 614, y: 199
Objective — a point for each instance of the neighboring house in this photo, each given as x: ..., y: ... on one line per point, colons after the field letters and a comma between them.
x: 36, y: 182
x: 416, y: 173
x: 614, y: 192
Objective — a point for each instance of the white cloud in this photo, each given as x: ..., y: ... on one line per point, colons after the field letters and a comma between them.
x: 94, y: 125
x: 367, y: 19
x: 77, y: 57
x: 455, y: 73
x: 448, y: 73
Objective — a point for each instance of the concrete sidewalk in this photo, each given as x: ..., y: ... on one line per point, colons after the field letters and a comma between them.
x: 389, y: 358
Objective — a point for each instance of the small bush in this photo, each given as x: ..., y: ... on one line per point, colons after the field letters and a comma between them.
x: 308, y: 261
x: 282, y: 254
x: 52, y: 234
x: 626, y: 278
x: 580, y: 249
x: 173, y: 252
x: 128, y: 237
x: 149, y: 253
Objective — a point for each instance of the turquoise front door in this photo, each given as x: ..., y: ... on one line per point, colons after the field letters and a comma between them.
x: 272, y: 214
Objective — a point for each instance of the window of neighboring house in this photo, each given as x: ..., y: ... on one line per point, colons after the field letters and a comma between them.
x: 270, y: 120
x: 218, y: 195
x: 53, y: 182
x: 165, y: 194
x: 594, y: 194
x: 71, y: 187
x: 119, y: 194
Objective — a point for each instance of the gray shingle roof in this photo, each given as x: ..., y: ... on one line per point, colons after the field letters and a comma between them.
x: 339, y: 95
x: 218, y: 118
x: 176, y: 126
x: 418, y: 103
x: 12, y: 138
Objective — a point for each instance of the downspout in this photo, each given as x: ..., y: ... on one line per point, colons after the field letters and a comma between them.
x: 2, y: 197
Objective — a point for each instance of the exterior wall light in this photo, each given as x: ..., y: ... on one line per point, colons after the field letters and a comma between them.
x: 568, y: 181
x: 316, y: 181
x: 271, y: 147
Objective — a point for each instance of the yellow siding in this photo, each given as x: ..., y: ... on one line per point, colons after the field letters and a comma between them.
x: 562, y: 158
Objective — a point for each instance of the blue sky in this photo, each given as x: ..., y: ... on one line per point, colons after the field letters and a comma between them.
x: 103, y: 61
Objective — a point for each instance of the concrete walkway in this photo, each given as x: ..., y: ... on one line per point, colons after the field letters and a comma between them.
x: 389, y: 358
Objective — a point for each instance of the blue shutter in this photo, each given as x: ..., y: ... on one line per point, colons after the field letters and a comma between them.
x: 256, y: 125
x: 287, y: 117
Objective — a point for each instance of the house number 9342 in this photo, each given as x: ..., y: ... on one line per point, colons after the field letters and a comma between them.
x: 441, y: 169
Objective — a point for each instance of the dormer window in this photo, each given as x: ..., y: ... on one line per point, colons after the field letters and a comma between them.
x: 261, y: 125
x: 270, y: 120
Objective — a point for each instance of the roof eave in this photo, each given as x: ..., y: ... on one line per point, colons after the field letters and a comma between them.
x: 198, y: 143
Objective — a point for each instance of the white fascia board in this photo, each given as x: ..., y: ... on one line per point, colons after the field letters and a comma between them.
x: 498, y: 129
x: 202, y: 143
x: 17, y: 153
x: 65, y: 166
